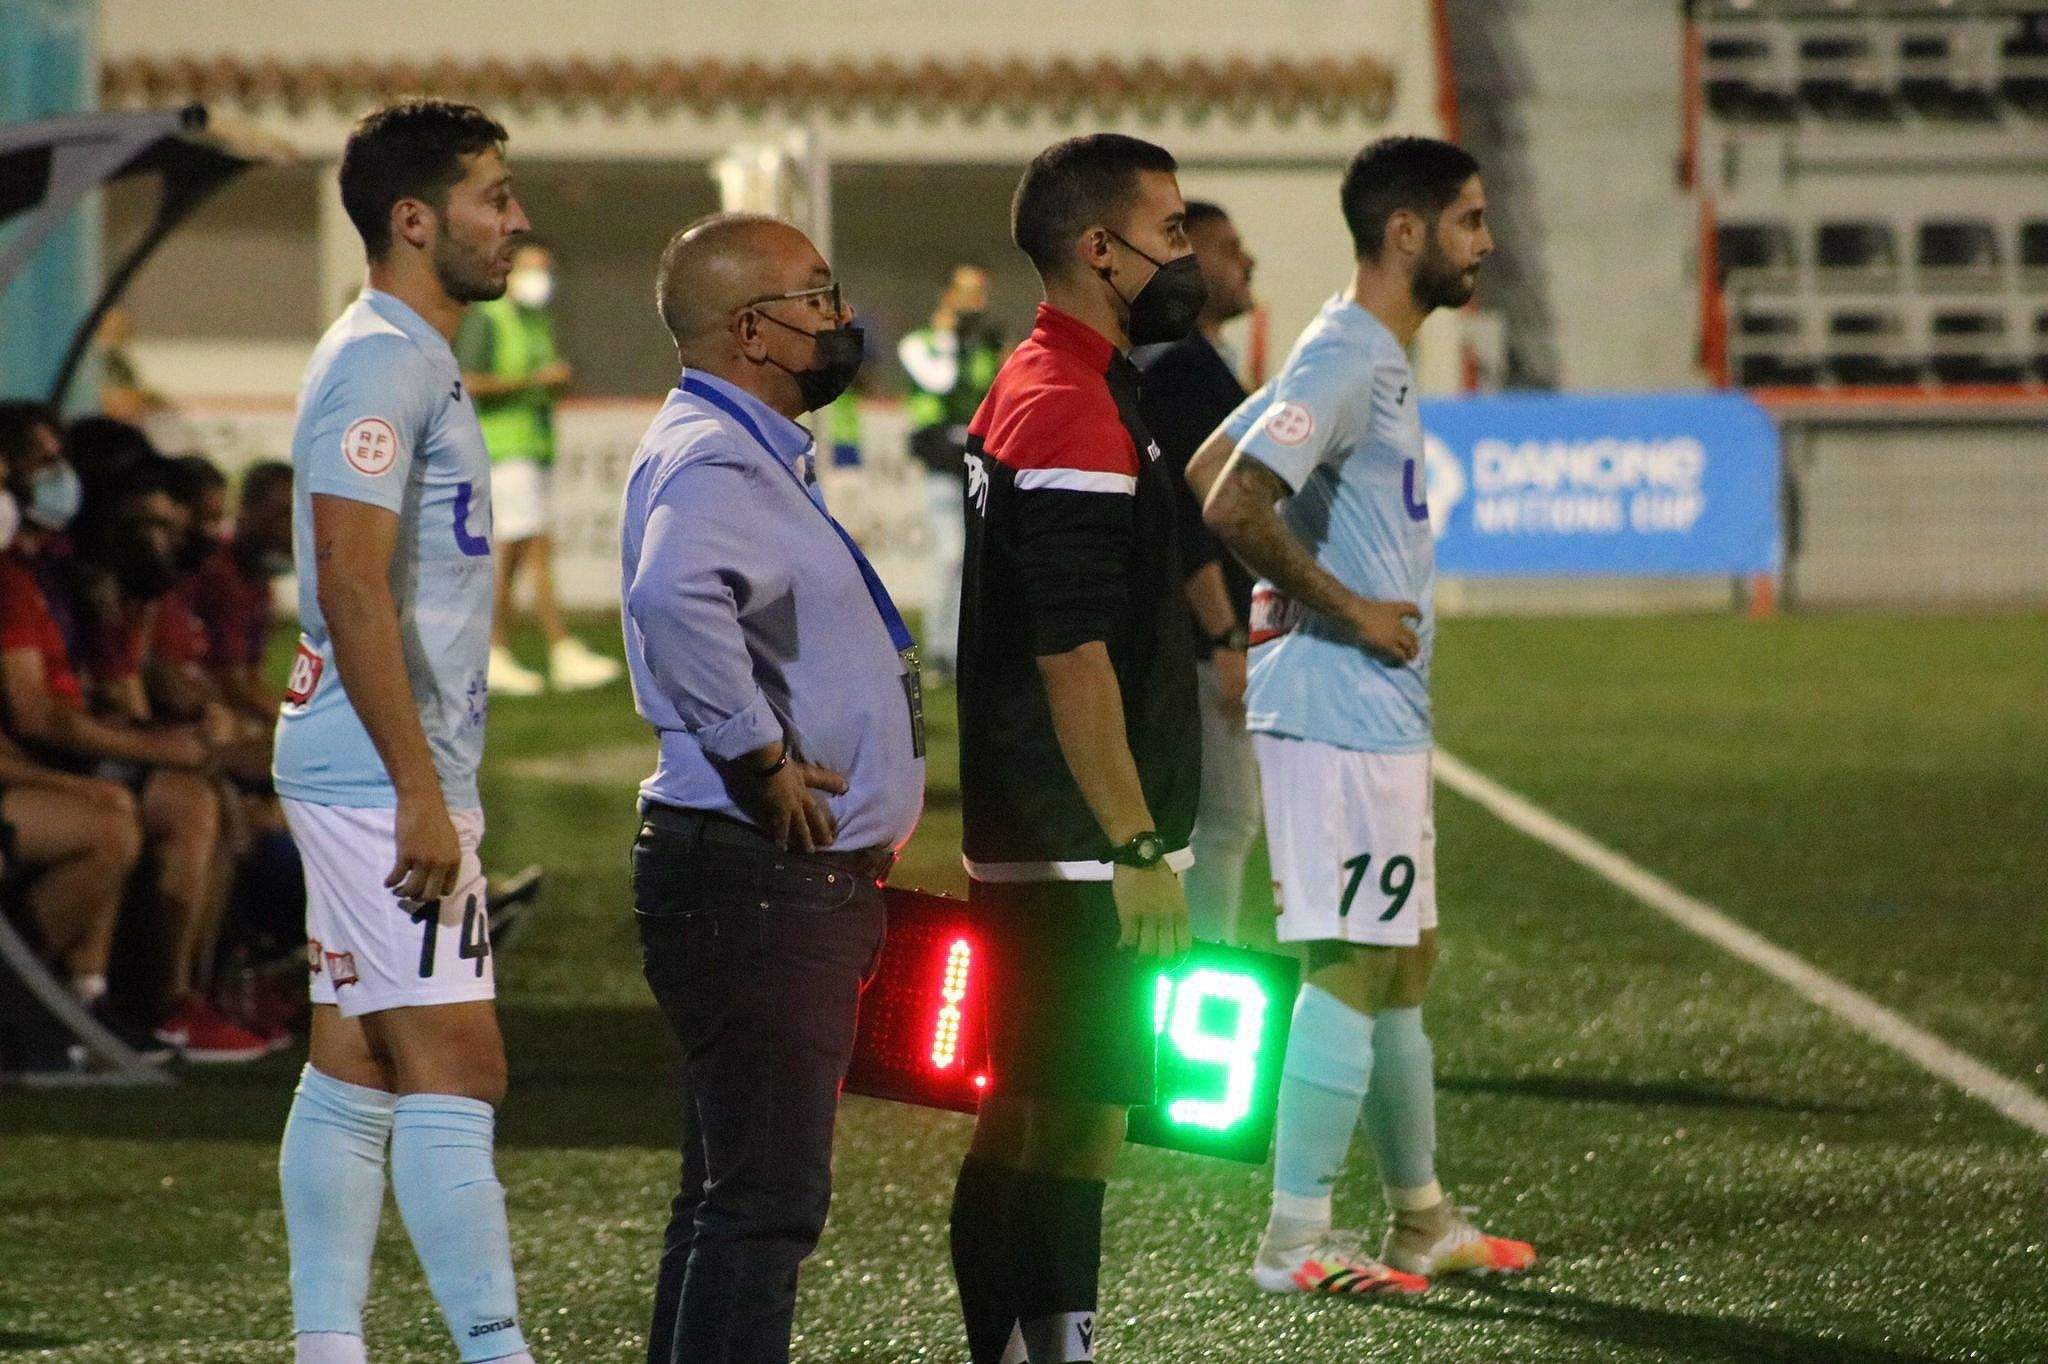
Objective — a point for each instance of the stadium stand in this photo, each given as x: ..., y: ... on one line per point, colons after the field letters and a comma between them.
x: 1870, y: 168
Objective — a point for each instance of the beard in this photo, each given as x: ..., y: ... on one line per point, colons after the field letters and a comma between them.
x: 1440, y: 284
x: 466, y: 275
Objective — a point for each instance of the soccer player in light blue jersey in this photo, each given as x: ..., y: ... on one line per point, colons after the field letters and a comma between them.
x: 1317, y: 483
x: 378, y: 745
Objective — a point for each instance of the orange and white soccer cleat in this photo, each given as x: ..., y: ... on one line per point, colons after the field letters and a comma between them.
x: 1461, y: 1248
x: 1330, y: 1265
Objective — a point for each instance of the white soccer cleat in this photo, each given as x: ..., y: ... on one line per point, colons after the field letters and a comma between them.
x: 1331, y: 1264
x: 1462, y: 1248
x: 573, y: 666
x: 508, y: 678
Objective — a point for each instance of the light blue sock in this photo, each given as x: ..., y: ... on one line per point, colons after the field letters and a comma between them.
x: 1400, y: 1109
x: 330, y: 1169
x: 454, y: 1210
x: 1322, y: 1085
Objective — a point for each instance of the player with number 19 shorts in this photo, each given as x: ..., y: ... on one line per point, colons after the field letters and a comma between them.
x: 1325, y: 495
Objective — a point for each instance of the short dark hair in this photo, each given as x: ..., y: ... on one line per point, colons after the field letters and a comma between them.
x: 103, y: 498
x: 409, y: 150
x: 193, y: 477
x: 1083, y: 180
x: 1421, y: 174
x: 263, y: 477
x: 1203, y: 211
x: 105, y: 450
x: 18, y: 418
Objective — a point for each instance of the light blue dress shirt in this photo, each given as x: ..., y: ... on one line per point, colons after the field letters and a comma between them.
x: 748, y: 618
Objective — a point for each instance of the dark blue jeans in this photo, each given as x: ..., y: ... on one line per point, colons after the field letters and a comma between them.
x: 757, y: 958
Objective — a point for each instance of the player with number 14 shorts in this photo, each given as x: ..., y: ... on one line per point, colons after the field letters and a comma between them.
x: 377, y: 751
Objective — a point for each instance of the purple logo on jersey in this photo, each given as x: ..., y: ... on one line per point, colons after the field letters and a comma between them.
x: 475, y: 546
x: 1418, y: 506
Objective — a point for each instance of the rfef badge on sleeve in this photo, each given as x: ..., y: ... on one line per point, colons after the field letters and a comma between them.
x: 1221, y: 1018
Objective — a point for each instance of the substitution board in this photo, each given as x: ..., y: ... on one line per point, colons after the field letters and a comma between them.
x: 1221, y: 1018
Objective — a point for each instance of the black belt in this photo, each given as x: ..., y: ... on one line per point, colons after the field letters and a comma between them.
x: 698, y: 826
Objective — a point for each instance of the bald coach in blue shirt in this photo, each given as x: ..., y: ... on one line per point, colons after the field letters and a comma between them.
x: 783, y: 686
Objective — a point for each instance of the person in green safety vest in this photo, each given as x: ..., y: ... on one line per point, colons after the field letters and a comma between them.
x: 950, y: 365
x: 515, y: 374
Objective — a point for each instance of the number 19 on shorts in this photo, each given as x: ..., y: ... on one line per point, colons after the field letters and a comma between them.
x: 1396, y: 882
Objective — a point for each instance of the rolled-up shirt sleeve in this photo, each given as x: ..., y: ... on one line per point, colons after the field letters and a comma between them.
x: 700, y: 572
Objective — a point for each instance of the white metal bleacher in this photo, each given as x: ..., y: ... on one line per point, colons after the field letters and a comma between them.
x: 1876, y: 170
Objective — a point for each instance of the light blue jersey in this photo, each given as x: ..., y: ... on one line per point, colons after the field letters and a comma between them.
x: 1339, y: 424
x: 383, y: 419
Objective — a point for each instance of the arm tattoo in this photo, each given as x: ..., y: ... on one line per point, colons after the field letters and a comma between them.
x: 1241, y: 512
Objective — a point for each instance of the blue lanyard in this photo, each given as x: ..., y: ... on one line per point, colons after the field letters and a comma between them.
x: 899, y: 633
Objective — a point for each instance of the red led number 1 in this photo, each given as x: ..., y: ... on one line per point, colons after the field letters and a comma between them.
x: 953, y: 990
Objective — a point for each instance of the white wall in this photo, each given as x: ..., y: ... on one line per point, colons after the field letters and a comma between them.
x: 768, y: 30
x: 1278, y: 177
x: 1601, y: 115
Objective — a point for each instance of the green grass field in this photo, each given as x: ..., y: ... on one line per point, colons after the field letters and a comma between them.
x: 1713, y: 1170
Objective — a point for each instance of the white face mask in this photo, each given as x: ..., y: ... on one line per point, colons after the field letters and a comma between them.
x: 531, y: 288
x: 10, y: 518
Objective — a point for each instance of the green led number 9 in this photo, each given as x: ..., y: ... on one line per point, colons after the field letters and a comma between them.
x: 1177, y: 1016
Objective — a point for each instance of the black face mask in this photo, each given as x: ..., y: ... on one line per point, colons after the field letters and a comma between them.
x: 144, y: 575
x: 195, y: 552
x: 1167, y: 307
x: 840, y: 352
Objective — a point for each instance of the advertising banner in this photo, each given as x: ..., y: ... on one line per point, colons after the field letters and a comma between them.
x: 1561, y: 485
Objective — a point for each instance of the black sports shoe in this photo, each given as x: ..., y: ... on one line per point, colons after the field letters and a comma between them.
x: 510, y: 901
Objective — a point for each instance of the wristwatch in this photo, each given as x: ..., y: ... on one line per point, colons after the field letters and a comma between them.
x: 1233, y: 638
x: 1143, y: 851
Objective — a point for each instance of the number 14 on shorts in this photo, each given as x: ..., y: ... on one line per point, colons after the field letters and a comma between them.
x: 475, y: 944
x: 1396, y: 882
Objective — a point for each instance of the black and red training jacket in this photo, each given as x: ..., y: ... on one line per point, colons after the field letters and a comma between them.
x: 1071, y: 538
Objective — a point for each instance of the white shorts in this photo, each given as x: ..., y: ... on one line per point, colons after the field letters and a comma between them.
x: 1352, y: 838
x: 522, y: 500
x: 370, y: 950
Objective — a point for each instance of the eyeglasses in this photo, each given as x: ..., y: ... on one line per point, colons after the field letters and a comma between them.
x: 829, y: 293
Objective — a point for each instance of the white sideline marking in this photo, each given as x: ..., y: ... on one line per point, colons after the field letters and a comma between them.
x: 1696, y: 916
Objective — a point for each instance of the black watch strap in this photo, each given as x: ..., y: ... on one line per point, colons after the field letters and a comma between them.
x: 1143, y: 851
x: 1236, y: 638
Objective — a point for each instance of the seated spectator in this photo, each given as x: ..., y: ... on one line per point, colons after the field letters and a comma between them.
x: 219, y: 620
x: 72, y: 617
x: 232, y: 594
x: 68, y: 843
x: 207, y: 648
x: 101, y: 449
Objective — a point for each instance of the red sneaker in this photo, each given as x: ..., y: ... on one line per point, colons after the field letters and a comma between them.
x: 264, y: 1006
x: 212, y: 1038
x: 173, y: 1031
